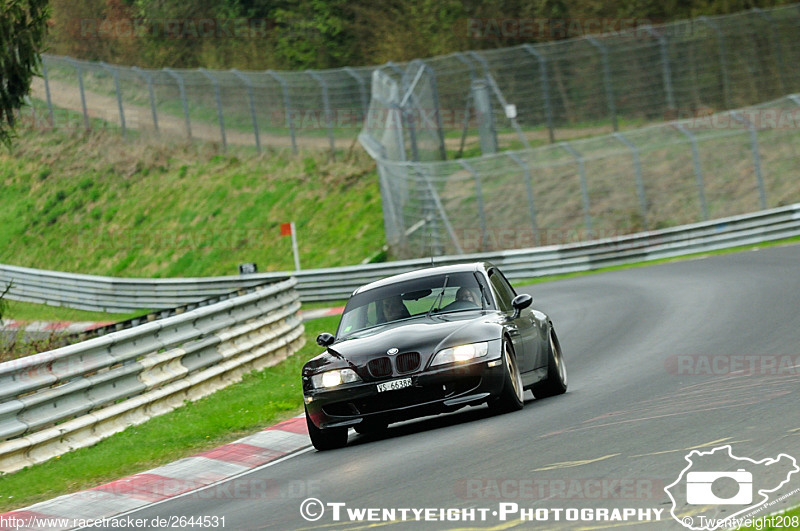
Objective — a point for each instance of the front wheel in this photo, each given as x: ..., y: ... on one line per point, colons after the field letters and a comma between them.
x: 326, y: 439
x: 511, y: 397
x: 556, y: 381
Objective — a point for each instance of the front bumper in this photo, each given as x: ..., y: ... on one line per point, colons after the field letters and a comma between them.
x: 431, y: 391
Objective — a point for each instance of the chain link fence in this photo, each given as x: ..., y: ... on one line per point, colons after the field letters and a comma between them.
x: 655, y: 177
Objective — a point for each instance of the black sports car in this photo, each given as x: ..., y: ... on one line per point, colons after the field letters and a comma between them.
x: 426, y: 342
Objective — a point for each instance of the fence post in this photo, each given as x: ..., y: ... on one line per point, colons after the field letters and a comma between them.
x: 762, y: 195
x: 612, y: 105
x: 548, y: 111
x: 83, y: 94
x: 114, y: 74
x: 487, y: 134
x: 584, y: 186
x: 251, y: 101
x: 287, y: 104
x: 637, y: 168
x: 776, y: 45
x: 218, y: 98
x: 666, y: 72
x: 500, y: 97
x: 47, y: 92
x: 438, y: 204
x: 723, y: 64
x: 327, y: 104
x: 529, y: 188
x: 479, y: 195
x: 149, y: 80
x: 698, y: 172
x: 460, y: 56
x: 182, y: 90
x: 362, y: 89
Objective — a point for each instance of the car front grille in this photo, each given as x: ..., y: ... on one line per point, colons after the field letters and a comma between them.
x: 407, y: 362
x: 380, y: 367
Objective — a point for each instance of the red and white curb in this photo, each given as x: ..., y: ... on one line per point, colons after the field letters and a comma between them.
x: 307, y: 315
x: 159, y: 484
x: 42, y: 327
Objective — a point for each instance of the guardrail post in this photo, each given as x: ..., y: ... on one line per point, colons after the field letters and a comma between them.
x: 83, y: 93
x: 251, y: 101
x: 287, y: 104
x: 492, y: 83
x: 548, y: 111
x: 479, y: 195
x: 326, y: 103
x: 218, y: 98
x: 762, y: 195
x: 584, y: 186
x: 637, y: 168
x: 723, y: 63
x: 776, y: 45
x: 149, y: 80
x: 698, y: 172
x: 182, y: 90
x: 115, y: 75
x: 529, y: 188
x: 47, y: 93
x: 612, y: 105
x: 666, y: 72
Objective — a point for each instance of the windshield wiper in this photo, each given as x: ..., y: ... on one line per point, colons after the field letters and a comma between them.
x: 439, y: 297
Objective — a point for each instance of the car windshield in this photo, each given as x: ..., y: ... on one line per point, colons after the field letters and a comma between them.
x: 434, y: 295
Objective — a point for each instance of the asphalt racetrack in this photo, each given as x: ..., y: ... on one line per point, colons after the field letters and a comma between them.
x: 662, y: 360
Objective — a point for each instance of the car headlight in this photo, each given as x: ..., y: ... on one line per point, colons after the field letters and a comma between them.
x: 329, y: 379
x: 461, y: 353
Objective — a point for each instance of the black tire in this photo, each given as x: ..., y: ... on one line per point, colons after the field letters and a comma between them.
x: 511, y: 397
x: 368, y: 427
x: 328, y: 439
x: 556, y: 381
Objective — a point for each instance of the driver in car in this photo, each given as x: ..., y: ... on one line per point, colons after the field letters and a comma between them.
x: 394, y: 309
x: 468, y: 295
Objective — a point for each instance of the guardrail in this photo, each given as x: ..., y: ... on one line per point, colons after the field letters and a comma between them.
x: 71, y: 397
x: 331, y: 284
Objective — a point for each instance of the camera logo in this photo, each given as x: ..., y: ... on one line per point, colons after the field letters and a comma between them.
x: 699, y: 488
x: 718, y: 478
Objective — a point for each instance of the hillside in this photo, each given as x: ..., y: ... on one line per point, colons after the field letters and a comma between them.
x: 96, y: 203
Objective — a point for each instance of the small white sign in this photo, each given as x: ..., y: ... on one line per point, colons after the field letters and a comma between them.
x: 511, y: 111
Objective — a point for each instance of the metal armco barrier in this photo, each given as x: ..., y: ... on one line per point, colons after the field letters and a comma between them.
x: 332, y: 284
x: 68, y: 398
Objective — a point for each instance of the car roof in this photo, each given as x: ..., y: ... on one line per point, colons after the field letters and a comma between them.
x: 422, y: 273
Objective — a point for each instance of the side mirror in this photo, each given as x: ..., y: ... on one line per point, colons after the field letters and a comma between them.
x: 521, y: 302
x: 325, y: 339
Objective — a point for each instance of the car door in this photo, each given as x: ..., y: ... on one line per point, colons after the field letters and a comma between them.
x: 524, y: 329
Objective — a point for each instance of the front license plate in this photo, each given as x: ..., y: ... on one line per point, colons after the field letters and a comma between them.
x: 394, y: 384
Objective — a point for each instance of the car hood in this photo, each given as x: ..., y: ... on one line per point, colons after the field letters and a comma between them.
x: 426, y: 335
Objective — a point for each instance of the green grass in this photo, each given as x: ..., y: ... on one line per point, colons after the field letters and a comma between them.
x: 261, y: 399
x: 94, y: 203
x: 26, y: 311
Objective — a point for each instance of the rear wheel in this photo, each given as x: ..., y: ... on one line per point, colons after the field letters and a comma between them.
x: 326, y: 439
x: 510, y: 398
x: 556, y: 381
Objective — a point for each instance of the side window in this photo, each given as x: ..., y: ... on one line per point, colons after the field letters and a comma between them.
x: 505, y: 293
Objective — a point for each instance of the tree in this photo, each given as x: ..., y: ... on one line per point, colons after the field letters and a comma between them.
x: 23, y: 26
x: 3, y: 302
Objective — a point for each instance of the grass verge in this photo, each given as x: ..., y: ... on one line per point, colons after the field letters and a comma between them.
x: 27, y: 311
x: 261, y: 399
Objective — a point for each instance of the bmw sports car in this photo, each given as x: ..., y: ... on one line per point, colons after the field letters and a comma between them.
x: 427, y: 342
